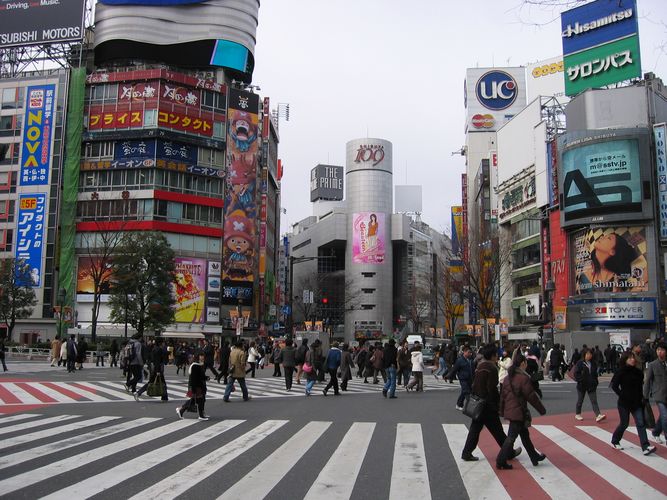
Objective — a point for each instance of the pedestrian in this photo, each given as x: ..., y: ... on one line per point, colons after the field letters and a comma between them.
x: 196, y: 388
x: 223, y: 369
x: 655, y: 386
x: 253, y: 356
x: 113, y: 353
x: 261, y: 357
x: 319, y: 360
x: 182, y: 358
x: 576, y: 356
x: 159, y: 358
x: 2, y: 355
x: 586, y: 376
x: 439, y: 361
x: 209, y: 358
x: 378, y: 364
x: 404, y: 364
x: 360, y: 360
x: 287, y: 356
x: 299, y: 358
x: 309, y: 368
x: 417, y: 359
x: 82, y: 352
x: 332, y: 364
x: 55, y: 351
x: 63, y: 354
x: 99, y: 354
x: 346, y: 365
x: 627, y: 384
x: 135, y: 363
x: 71, y: 354
x: 504, y: 364
x: 368, y: 363
x: 275, y: 356
x: 485, y: 385
x: 533, y: 370
x: 390, y: 359
x: 450, y: 358
x: 555, y: 360
x: 463, y: 369
x: 237, y: 371
x: 515, y: 394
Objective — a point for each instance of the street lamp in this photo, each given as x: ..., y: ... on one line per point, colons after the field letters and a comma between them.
x: 62, y: 295
x: 239, y: 319
x: 549, y: 289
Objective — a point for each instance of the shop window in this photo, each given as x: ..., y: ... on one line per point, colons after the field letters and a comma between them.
x: 150, y: 118
x: 9, y: 98
x: 99, y: 150
x: 5, y: 181
x: 6, y: 237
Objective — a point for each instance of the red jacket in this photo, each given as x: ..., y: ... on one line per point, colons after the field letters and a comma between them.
x: 515, y: 394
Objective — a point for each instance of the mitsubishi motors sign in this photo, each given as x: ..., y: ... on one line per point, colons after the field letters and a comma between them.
x: 493, y: 96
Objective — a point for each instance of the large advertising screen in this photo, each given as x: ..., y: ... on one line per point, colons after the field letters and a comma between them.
x: 601, y: 176
x: 30, y: 238
x: 88, y: 270
x: 611, y: 260
x: 38, y: 125
x: 368, y: 243
x: 190, y: 290
x: 41, y: 22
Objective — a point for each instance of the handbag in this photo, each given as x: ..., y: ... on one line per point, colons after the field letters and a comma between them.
x: 307, y: 367
x: 155, y: 388
x: 473, y: 406
x: 537, y: 376
x: 649, y: 418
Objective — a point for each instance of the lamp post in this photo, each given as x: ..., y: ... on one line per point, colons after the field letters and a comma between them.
x: 239, y: 319
x: 549, y: 289
x: 62, y: 295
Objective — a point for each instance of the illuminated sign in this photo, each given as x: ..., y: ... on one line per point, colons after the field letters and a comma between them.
x: 37, y: 130
x: 30, y: 237
x: 618, y: 311
x: 496, y: 90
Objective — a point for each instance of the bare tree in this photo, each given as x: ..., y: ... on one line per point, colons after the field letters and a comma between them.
x: 17, y: 300
x: 451, y: 303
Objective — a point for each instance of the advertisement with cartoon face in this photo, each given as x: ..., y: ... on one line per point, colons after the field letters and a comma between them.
x: 190, y: 290
x: 368, y: 238
x: 611, y: 260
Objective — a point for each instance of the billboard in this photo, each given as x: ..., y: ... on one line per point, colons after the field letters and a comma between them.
x: 493, y: 96
x: 368, y: 238
x: 457, y: 229
x: 545, y: 78
x: 190, y: 290
x: 240, y: 250
x: 326, y: 183
x: 30, y: 237
x: 43, y: 22
x: 87, y: 270
x: 611, y: 259
x: 38, y: 125
x: 660, y: 138
x: 601, y: 175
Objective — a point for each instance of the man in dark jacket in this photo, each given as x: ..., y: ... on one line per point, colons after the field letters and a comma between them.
x: 159, y: 358
x: 390, y: 360
x: 287, y: 356
x: 404, y: 364
x: 655, y: 385
x: 300, y: 357
x: 555, y: 360
x: 224, y: 362
x: 463, y: 369
x: 485, y: 385
x: 209, y: 357
x: 332, y: 364
x: 113, y: 353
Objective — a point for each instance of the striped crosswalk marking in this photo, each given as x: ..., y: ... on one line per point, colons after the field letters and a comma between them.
x: 111, y: 477
x: 201, y: 469
x: 409, y: 477
x: 35, y: 423
x: 479, y: 478
x: 263, y: 478
x: 337, y: 478
x: 33, y: 436
x: 623, y: 481
x: 48, y: 471
x: 15, y: 418
x: 9, y: 460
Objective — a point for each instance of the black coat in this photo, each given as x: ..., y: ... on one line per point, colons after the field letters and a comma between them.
x: 587, y: 380
x: 628, y: 383
x: 197, y: 379
x: 485, y: 384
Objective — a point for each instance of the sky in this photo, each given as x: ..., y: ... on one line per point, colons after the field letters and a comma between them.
x: 394, y: 69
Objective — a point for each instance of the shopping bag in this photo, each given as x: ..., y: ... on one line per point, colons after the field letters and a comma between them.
x: 649, y: 418
x: 155, y: 388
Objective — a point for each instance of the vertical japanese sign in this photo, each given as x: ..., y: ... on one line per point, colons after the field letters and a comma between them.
x: 189, y: 290
x: 659, y: 132
x: 30, y: 238
x: 37, y: 132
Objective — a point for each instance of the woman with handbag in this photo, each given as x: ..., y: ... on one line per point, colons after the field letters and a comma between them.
x: 628, y: 383
x: 309, y: 369
x: 196, y: 388
x: 515, y: 394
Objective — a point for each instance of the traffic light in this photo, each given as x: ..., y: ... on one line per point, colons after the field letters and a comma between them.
x: 325, y: 300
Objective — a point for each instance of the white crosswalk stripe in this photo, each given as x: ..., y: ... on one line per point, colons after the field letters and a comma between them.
x: 114, y: 390
x: 283, y: 450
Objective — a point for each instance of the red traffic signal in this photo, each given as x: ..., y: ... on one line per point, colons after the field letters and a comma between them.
x: 325, y: 300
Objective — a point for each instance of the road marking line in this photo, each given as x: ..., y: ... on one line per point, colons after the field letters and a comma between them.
x: 36, y: 423
x: 20, y: 416
x: 64, y: 391
x: 21, y: 394
x: 33, y: 436
x: 104, y: 392
x: 111, y: 477
x: 479, y: 478
x: 68, y: 464
x: 71, y: 441
x: 37, y: 391
x: 409, y: 475
x: 626, y: 483
x: 199, y: 470
x: 115, y: 390
x: 338, y: 477
x: 259, y: 482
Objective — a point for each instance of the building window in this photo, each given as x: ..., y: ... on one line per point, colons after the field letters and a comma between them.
x: 208, y: 157
x: 150, y: 118
x: 6, y: 237
x: 213, y: 101
x: 99, y: 150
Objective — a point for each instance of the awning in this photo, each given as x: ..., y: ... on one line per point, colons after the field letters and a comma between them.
x: 183, y: 335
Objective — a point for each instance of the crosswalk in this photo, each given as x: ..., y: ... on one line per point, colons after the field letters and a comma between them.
x: 31, y: 392
x: 234, y: 458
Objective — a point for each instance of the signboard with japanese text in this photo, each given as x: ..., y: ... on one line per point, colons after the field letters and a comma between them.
x: 660, y: 137
x: 138, y: 149
x: 155, y: 74
x: 30, y: 237
x: 41, y: 22
x: 138, y: 91
x: 184, y: 123
x: 190, y: 290
x: 639, y: 310
x: 103, y: 120
x: 38, y: 125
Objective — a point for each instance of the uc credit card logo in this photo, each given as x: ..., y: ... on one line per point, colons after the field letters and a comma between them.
x: 496, y: 90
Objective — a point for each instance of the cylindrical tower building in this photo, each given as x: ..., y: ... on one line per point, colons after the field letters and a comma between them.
x: 368, y: 259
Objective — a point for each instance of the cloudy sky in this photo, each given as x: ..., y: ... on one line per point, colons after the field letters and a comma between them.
x: 394, y: 69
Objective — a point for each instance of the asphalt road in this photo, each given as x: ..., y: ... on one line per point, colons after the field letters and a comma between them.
x: 283, y: 445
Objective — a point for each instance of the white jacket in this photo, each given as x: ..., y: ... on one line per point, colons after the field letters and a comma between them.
x: 504, y: 365
x: 252, y: 355
x: 417, y: 361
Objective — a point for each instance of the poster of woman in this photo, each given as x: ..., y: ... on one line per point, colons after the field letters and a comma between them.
x: 611, y: 260
x: 367, y: 238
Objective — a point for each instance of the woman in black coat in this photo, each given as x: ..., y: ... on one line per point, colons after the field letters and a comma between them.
x: 586, y: 375
x: 196, y: 388
x: 628, y: 384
